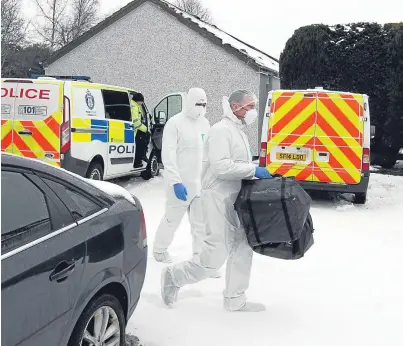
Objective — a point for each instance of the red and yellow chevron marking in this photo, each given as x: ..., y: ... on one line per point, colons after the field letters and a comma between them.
x: 323, y: 123
x: 45, y: 139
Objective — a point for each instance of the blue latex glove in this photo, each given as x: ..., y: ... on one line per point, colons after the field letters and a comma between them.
x: 180, y: 192
x: 262, y: 173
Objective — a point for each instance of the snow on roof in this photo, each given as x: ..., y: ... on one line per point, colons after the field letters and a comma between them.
x: 258, y: 56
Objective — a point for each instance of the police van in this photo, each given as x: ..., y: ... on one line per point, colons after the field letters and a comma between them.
x: 75, y: 124
x: 320, y: 137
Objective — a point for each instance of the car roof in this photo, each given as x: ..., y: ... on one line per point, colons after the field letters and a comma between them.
x: 12, y: 160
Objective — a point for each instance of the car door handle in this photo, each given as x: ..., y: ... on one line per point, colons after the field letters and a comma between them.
x: 62, y: 271
x: 25, y: 132
x: 131, y: 126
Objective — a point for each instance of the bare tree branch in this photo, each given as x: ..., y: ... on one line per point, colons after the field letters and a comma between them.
x: 195, y: 8
x: 13, y: 29
x: 51, y: 12
x: 65, y: 20
x: 84, y: 16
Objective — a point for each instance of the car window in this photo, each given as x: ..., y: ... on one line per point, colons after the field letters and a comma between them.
x: 79, y: 205
x: 174, y: 105
x: 24, y: 211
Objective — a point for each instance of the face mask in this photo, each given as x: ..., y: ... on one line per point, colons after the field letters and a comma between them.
x: 250, y: 117
x: 197, y: 112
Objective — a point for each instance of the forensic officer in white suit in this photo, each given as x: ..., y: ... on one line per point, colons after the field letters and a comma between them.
x: 227, y: 160
x: 182, y: 153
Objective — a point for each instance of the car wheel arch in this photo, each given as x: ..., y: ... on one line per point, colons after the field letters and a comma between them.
x: 101, y: 283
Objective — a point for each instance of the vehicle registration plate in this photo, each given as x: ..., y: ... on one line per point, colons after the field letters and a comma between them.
x: 32, y: 110
x: 291, y: 157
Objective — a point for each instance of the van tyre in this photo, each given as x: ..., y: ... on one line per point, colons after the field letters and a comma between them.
x: 360, y: 198
x: 95, y: 172
x: 152, y: 169
x: 102, y: 322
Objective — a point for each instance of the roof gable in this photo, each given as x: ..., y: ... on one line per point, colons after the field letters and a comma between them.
x: 249, y: 54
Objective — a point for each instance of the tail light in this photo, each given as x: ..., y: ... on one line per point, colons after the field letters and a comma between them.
x: 263, y: 154
x: 143, y: 228
x: 366, y: 159
x: 65, y: 141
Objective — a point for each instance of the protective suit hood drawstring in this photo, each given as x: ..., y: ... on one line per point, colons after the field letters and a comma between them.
x: 195, y: 95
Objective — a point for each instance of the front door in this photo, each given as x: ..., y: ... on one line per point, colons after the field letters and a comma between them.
x: 42, y: 261
x: 121, y: 135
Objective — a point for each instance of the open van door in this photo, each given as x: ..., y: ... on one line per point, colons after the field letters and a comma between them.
x: 166, y: 108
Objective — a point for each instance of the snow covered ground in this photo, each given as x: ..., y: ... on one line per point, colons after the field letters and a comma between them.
x: 348, y: 290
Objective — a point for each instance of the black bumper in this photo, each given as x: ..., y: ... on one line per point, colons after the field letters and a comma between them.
x: 74, y: 165
x: 362, y: 187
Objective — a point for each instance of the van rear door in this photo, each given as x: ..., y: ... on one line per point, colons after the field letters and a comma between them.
x: 339, y: 133
x: 7, y: 116
x: 37, y: 117
x: 291, y: 134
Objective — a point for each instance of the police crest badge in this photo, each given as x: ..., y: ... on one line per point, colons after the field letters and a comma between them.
x: 89, y: 100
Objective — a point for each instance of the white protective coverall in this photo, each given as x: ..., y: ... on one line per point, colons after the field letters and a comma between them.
x: 182, y: 154
x: 227, y: 160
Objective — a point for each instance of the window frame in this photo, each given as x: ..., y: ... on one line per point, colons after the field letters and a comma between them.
x: 103, y: 91
x: 168, y: 113
x: 73, y: 188
x: 156, y: 107
x: 58, y: 217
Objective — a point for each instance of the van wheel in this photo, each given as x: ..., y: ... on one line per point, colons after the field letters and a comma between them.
x: 389, y: 164
x: 95, y: 172
x: 101, y: 323
x: 360, y: 198
x: 152, y: 169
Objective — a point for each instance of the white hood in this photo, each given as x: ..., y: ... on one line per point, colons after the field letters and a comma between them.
x: 228, y: 113
x: 195, y: 95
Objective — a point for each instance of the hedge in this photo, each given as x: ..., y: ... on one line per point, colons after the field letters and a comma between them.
x: 365, y: 58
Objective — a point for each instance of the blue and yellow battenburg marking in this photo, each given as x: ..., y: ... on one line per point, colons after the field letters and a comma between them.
x: 88, y: 130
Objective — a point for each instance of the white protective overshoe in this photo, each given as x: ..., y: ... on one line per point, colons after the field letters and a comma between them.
x: 251, y: 307
x: 162, y: 257
x: 169, y: 291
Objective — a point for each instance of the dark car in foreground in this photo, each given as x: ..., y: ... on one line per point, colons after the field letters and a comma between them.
x: 73, y: 257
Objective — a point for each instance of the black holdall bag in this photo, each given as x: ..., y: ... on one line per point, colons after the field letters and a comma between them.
x: 275, y: 215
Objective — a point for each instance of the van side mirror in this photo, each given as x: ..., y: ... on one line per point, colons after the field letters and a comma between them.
x: 161, y: 117
x: 373, y: 130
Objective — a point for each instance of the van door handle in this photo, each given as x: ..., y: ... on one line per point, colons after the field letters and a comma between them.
x: 25, y: 132
x: 62, y: 271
